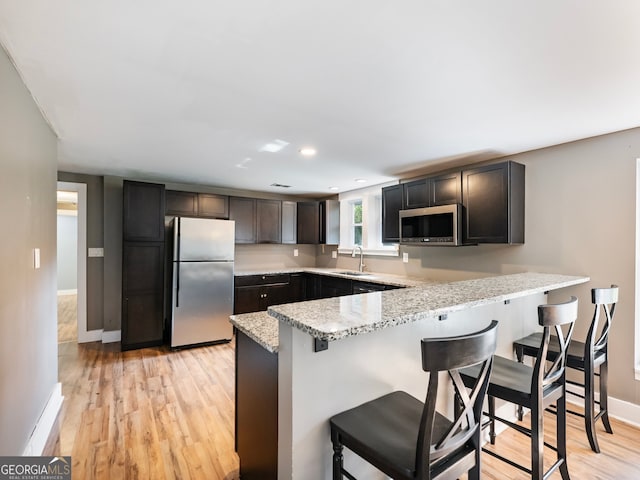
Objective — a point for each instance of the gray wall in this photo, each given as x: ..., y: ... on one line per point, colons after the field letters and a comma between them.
x: 580, y: 219
x: 28, y: 326
x: 67, y: 252
x: 95, y: 239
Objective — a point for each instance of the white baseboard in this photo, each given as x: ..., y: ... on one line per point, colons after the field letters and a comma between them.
x: 90, y: 336
x: 68, y: 292
x: 108, y: 336
x: 619, y: 409
x: 111, y: 336
x: 43, y: 427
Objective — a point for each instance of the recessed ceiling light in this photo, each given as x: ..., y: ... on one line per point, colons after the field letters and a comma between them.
x: 333, y: 188
x: 361, y: 180
x: 274, y: 146
x: 308, y: 151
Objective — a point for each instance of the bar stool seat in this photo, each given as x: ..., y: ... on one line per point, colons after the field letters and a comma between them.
x: 408, y: 439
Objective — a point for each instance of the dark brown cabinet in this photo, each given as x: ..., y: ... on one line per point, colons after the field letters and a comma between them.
x: 416, y: 193
x: 142, y: 265
x: 255, y: 293
x: 193, y: 204
x: 308, y: 222
x: 335, y: 287
x: 391, y: 206
x: 445, y: 189
x: 268, y: 221
x: 143, y: 212
x: 256, y: 411
x: 289, y: 222
x: 213, y: 206
x: 493, y: 196
x: 182, y: 204
x: 432, y: 191
x: 243, y: 212
x: 142, y: 294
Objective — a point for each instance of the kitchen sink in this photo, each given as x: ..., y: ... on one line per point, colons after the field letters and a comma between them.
x: 354, y: 274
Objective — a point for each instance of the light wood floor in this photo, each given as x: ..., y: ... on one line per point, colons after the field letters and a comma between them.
x: 67, y: 318
x: 157, y: 414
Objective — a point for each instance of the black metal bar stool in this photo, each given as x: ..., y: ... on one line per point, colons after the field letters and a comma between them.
x: 408, y: 439
x: 536, y: 388
x: 585, y: 357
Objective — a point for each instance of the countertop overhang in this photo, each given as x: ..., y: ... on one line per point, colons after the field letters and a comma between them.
x: 335, y: 318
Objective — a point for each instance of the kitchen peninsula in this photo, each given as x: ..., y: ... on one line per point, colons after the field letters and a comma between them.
x: 336, y: 353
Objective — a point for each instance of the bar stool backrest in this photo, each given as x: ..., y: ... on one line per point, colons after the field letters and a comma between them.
x: 553, y: 317
x: 605, y: 300
x: 450, y: 354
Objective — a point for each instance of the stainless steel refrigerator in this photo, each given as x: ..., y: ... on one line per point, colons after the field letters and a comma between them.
x: 202, y: 293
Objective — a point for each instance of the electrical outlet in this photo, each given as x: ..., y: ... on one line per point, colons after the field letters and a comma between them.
x: 405, y: 257
x: 334, y: 254
x: 295, y: 252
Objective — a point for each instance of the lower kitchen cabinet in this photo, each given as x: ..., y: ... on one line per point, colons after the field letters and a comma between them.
x: 335, y: 287
x: 256, y: 419
x: 254, y: 293
x: 142, y: 294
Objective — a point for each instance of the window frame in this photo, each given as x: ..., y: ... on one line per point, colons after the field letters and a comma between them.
x: 371, y: 198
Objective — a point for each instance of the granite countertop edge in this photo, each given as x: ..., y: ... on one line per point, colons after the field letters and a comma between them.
x: 562, y: 281
x: 260, y: 327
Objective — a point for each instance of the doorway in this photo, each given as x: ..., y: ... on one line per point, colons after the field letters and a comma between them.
x: 72, y: 262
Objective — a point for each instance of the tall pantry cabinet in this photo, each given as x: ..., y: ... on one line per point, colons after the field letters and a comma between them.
x: 142, y: 265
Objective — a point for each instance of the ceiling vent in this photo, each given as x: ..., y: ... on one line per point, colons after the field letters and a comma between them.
x: 279, y: 185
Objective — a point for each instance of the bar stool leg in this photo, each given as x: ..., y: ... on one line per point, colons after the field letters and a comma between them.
x: 520, y: 358
x: 561, y: 435
x: 604, y: 396
x: 589, y: 407
x: 537, y: 442
x: 492, y: 423
x: 337, y: 456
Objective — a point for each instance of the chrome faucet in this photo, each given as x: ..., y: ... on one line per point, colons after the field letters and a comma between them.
x: 353, y: 255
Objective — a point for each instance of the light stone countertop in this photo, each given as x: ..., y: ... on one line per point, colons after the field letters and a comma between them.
x: 335, y: 318
x: 260, y: 326
x: 382, y: 278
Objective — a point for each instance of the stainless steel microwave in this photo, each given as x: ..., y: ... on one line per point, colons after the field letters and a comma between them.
x: 441, y: 225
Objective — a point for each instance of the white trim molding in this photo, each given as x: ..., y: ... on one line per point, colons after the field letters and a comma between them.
x: 45, y: 423
x: 83, y: 335
x: 619, y: 409
x: 111, y: 336
x: 73, y: 291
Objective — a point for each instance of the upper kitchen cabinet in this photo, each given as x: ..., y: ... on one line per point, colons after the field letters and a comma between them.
x: 213, y: 206
x: 269, y: 221
x: 143, y: 211
x: 289, y: 222
x: 192, y: 204
x: 416, y: 193
x: 308, y: 222
x: 493, y: 196
x: 431, y: 191
x: 243, y: 212
x: 391, y: 206
x: 329, y: 217
x: 445, y: 189
x: 182, y: 204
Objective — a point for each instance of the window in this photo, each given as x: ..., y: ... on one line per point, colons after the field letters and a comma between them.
x: 361, y: 222
x: 356, y: 222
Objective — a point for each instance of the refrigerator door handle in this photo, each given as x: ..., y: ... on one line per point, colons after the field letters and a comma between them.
x: 177, y: 257
x: 177, y: 283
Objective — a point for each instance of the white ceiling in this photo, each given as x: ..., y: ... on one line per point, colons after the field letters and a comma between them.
x: 188, y: 90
